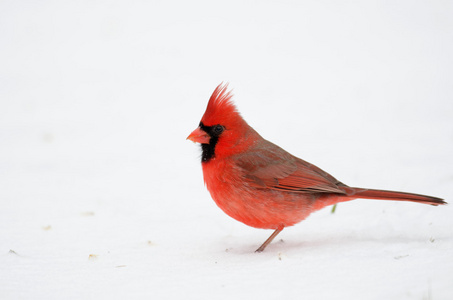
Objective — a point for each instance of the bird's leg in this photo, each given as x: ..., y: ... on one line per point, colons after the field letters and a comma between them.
x: 269, y: 240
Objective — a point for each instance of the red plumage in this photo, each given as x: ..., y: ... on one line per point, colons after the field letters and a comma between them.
x: 261, y: 185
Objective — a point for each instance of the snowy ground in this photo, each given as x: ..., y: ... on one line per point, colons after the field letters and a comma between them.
x: 102, y: 197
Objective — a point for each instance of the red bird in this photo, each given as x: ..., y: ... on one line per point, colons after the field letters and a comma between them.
x: 261, y: 185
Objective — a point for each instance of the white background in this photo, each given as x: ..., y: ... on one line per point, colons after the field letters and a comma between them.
x: 102, y: 197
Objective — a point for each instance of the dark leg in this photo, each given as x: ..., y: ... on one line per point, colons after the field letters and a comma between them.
x: 269, y: 240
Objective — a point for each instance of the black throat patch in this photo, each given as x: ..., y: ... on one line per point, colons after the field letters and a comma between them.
x: 208, y: 150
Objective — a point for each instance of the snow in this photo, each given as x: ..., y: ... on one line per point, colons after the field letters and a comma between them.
x: 102, y: 197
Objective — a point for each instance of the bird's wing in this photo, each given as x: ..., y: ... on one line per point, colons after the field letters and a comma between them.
x: 272, y: 167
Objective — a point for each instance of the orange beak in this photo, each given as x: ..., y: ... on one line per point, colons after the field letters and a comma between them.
x: 199, y: 136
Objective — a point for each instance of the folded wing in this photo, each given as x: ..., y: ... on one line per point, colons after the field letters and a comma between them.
x: 269, y: 166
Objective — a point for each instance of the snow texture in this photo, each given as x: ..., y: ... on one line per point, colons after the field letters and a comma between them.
x: 101, y: 196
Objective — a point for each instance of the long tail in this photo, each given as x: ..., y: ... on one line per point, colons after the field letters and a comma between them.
x: 396, y: 196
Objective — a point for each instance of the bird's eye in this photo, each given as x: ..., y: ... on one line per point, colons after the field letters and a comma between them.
x: 218, y: 129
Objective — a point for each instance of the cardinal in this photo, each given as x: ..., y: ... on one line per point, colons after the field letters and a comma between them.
x: 261, y: 185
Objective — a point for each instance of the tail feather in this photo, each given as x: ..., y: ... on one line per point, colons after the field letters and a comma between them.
x: 396, y: 196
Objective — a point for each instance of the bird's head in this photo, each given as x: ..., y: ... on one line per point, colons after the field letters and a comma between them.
x: 222, y: 131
